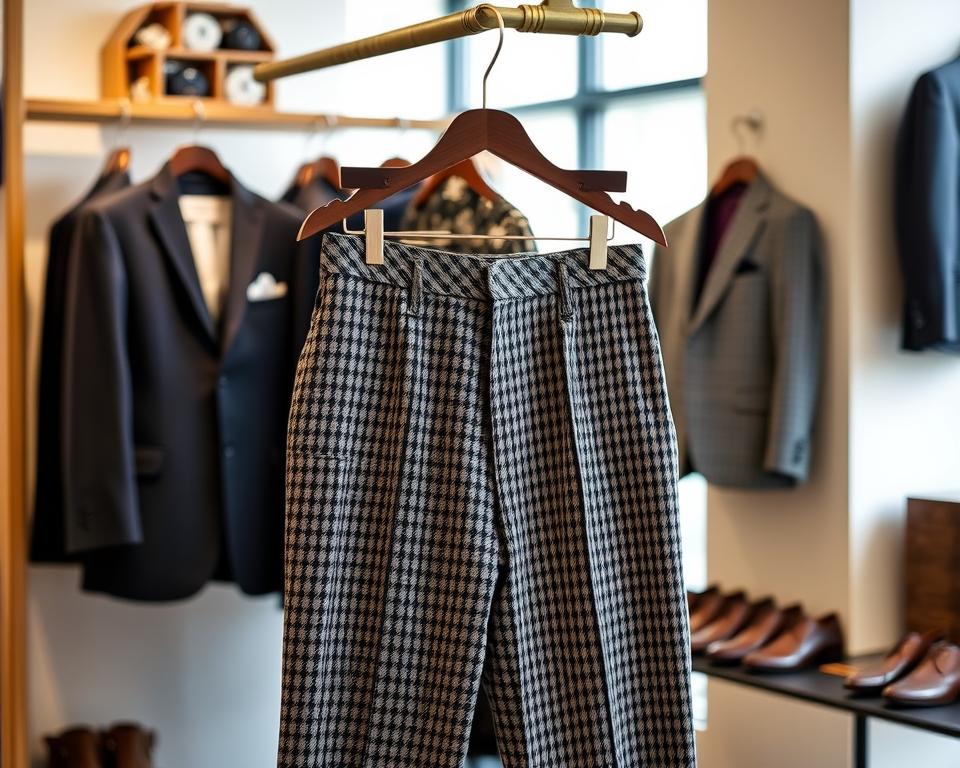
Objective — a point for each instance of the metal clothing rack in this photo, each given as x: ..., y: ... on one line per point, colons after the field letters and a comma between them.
x: 553, y: 17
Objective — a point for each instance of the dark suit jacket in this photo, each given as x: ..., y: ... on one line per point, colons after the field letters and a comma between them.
x: 47, y: 540
x: 317, y: 193
x: 175, y: 428
x: 928, y: 211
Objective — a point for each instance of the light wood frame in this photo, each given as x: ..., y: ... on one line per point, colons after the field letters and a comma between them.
x: 117, y: 53
x: 13, y: 505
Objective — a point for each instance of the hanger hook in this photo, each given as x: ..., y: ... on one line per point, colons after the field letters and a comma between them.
x: 320, y: 123
x: 125, y: 120
x: 199, y: 114
x: 752, y: 121
x: 496, y: 53
x: 329, y: 126
x: 403, y: 126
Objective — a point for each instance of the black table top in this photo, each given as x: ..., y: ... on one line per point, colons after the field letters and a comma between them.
x: 814, y: 686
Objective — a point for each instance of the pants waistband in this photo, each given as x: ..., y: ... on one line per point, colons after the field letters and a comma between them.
x: 479, y: 276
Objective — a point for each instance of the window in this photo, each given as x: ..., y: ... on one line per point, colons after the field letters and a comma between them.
x: 603, y: 102
x: 672, y: 46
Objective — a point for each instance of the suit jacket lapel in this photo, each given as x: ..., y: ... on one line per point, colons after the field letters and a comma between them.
x: 172, y: 232
x: 746, y: 220
x: 246, y: 233
x: 684, y: 254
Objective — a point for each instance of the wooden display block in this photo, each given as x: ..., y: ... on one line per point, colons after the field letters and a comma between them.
x: 123, y: 62
x: 933, y: 564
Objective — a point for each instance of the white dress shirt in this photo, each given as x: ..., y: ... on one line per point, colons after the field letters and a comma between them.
x: 208, y: 219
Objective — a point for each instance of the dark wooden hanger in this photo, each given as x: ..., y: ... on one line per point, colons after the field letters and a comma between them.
x: 326, y: 168
x: 117, y: 161
x: 197, y: 159
x: 740, y: 170
x: 472, y: 132
x: 466, y: 170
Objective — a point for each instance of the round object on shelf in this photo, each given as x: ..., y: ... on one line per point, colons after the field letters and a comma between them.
x: 186, y: 81
x: 140, y: 89
x: 153, y: 36
x: 241, y: 89
x: 241, y: 35
x: 201, y: 32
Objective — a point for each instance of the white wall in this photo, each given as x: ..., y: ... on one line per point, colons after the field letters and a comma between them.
x: 831, y: 79
x: 204, y: 673
x: 787, y: 60
x: 905, y: 413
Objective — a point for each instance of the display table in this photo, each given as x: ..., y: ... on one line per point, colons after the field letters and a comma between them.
x: 826, y: 690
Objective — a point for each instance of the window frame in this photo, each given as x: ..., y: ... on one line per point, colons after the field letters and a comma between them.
x: 588, y: 103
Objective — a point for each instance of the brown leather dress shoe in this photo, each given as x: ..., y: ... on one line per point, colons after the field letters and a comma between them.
x: 708, y: 609
x: 734, y: 615
x: 75, y: 748
x: 906, y: 654
x: 807, y: 643
x: 935, y: 681
x: 693, y: 598
x: 765, y: 624
x: 128, y: 745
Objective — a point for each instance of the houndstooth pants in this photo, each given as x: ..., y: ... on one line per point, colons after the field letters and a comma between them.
x: 481, y: 489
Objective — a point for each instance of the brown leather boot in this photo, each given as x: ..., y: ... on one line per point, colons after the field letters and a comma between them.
x: 128, y: 745
x: 75, y: 748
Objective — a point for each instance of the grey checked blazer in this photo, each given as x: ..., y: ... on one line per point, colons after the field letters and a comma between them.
x: 743, y: 364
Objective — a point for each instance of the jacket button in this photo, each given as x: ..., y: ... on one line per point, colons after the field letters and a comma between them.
x: 228, y: 452
x: 222, y: 382
x: 799, y: 449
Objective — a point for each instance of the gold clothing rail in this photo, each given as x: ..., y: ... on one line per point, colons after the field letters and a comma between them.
x: 556, y: 17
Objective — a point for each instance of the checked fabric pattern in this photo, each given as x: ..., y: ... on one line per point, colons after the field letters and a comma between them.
x: 482, y: 466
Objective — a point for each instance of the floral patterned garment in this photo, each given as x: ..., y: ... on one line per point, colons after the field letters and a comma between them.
x: 455, y: 207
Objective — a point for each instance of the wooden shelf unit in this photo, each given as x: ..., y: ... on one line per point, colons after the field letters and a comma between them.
x: 122, y: 61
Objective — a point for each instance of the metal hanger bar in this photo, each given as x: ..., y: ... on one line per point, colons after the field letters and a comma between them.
x: 444, y: 234
x: 555, y: 17
x: 359, y: 177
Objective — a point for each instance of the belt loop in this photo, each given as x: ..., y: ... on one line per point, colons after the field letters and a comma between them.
x: 414, y: 299
x: 563, y: 286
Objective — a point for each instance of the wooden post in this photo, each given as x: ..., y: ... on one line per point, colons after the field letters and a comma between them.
x: 13, y: 504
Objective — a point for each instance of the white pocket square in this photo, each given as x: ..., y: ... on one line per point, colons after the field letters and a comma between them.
x: 266, y: 287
